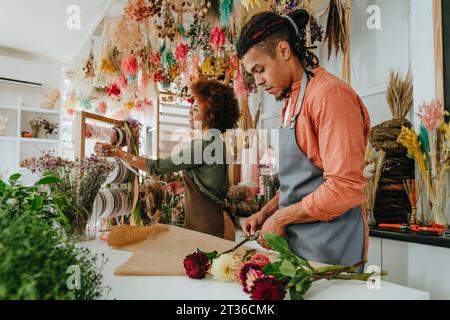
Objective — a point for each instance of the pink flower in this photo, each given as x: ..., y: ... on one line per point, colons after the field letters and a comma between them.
x: 181, y: 52
x: 252, y: 276
x: 217, y: 39
x: 432, y: 115
x: 260, y: 260
x: 102, y: 107
x: 129, y: 65
x: 155, y: 58
x: 123, y: 81
x: 242, y: 270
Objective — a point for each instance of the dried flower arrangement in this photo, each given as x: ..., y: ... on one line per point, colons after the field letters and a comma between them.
x: 80, y: 179
x: 374, y: 164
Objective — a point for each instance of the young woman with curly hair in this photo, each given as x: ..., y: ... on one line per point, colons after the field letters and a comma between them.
x: 215, y: 109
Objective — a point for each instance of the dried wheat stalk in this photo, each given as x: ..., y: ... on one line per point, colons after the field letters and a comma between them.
x: 399, y: 95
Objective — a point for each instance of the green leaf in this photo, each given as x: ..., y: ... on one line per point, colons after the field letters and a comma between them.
x: 210, y: 255
x: 48, y: 180
x: 303, y: 286
x: 273, y: 269
x: 2, y: 185
x: 14, y: 177
x: 294, y: 294
x: 37, y: 203
x: 277, y: 243
x: 287, y: 269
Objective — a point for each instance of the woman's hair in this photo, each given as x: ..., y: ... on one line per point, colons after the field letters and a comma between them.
x: 266, y: 29
x: 222, y: 111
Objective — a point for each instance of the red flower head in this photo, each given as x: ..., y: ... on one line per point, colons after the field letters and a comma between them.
x: 260, y: 260
x: 196, y: 265
x: 181, y: 52
x: 268, y: 288
x: 252, y: 276
x: 113, y: 90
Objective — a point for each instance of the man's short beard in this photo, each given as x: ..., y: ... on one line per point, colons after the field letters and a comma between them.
x: 284, y: 94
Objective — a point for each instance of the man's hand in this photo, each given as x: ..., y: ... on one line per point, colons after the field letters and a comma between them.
x: 253, y: 223
x: 271, y: 225
x: 105, y: 150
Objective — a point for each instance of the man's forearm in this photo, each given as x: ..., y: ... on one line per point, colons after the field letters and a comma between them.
x: 294, y: 214
x: 272, y: 206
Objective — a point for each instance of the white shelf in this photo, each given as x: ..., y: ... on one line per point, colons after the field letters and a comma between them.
x: 36, y: 140
x: 7, y: 107
x: 6, y: 138
x: 38, y: 110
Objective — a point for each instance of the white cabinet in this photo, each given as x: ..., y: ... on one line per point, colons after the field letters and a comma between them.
x: 418, y: 266
x: 19, y: 105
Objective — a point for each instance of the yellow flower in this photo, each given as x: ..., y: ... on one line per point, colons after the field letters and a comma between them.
x: 129, y: 105
x: 224, y: 268
x: 106, y: 66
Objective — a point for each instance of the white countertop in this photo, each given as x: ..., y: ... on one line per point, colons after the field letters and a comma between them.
x: 184, y: 288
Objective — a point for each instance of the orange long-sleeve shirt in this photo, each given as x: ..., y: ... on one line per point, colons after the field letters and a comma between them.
x: 332, y: 130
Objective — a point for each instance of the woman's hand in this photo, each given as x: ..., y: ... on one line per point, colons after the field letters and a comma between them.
x: 175, y: 188
x: 106, y: 150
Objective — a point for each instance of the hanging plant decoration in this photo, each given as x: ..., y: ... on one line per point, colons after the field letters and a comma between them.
x: 226, y: 10
x: 127, y: 36
x: 167, y: 58
x: 168, y: 29
x: 316, y: 32
x: 207, y: 69
x: 181, y: 52
x: 106, y: 66
x: 250, y: 4
x: 335, y: 31
x: 113, y: 90
x: 199, y: 36
x: 129, y: 65
x: 141, y: 10
x: 217, y: 39
x: 88, y: 68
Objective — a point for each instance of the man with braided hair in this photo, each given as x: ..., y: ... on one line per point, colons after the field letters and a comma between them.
x: 324, y: 133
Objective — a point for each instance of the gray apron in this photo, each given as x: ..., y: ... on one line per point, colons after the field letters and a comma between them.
x: 338, y: 242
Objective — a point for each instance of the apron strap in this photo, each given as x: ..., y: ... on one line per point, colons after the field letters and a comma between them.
x: 301, y: 98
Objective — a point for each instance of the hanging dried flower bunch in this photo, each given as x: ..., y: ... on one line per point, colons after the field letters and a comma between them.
x: 217, y: 39
x: 206, y: 8
x: 335, y: 34
x: 88, y: 69
x: 167, y: 28
x: 316, y: 32
x: 250, y: 4
x: 199, y: 36
x: 129, y: 65
x: 127, y: 36
x: 141, y: 10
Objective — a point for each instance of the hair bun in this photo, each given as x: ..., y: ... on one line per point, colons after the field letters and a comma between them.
x: 300, y: 17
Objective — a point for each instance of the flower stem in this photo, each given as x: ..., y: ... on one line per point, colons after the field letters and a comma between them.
x: 247, y: 239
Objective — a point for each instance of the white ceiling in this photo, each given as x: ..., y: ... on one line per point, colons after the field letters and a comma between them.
x: 39, y: 26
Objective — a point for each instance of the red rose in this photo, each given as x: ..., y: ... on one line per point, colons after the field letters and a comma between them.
x: 196, y: 265
x: 268, y: 288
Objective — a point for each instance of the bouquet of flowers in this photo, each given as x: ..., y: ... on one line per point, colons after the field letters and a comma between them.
x: 263, y: 279
x: 80, y: 179
x: 430, y: 149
